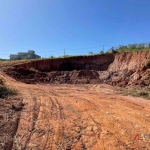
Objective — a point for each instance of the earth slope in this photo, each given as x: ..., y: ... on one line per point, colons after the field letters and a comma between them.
x: 124, y: 70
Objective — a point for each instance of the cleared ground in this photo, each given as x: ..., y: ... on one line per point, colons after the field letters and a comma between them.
x: 79, y: 117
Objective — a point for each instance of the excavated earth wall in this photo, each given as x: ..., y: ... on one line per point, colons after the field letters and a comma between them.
x: 129, y: 69
x: 99, y: 62
x: 122, y: 69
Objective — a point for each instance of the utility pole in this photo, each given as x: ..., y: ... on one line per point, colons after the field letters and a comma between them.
x: 64, y: 51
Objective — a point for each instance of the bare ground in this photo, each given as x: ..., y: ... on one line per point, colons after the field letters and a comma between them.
x: 79, y: 117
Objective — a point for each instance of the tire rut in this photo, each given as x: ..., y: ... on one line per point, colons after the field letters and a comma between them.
x: 72, y: 120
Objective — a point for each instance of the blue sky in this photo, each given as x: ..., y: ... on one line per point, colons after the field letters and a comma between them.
x: 79, y: 26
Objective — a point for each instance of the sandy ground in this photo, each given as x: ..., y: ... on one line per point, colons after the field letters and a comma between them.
x: 80, y: 117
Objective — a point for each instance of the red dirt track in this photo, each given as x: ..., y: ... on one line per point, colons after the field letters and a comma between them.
x: 79, y: 117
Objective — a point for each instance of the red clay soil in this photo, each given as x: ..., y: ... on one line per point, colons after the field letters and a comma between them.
x: 57, y: 77
x: 96, y: 62
x: 79, y: 117
x: 10, y: 111
x: 128, y: 69
x: 136, y: 78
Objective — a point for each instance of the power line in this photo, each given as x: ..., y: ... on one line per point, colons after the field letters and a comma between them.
x: 61, y: 51
x: 83, y: 48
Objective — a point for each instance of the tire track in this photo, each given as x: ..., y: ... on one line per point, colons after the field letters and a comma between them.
x: 79, y: 117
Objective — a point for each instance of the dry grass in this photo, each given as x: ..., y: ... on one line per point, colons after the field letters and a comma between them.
x: 145, y: 92
x: 6, y: 91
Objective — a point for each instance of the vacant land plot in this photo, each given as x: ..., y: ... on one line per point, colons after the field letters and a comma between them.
x: 49, y: 114
x: 79, y: 117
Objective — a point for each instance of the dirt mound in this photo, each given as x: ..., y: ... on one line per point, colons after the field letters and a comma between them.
x: 57, y: 77
x: 133, y: 78
x: 136, y: 78
x: 73, y: 77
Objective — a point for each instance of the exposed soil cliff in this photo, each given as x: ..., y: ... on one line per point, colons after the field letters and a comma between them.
x: 129, y: 61
x: 124, y: 69
x: 128, y: 69
x: 99, y: 62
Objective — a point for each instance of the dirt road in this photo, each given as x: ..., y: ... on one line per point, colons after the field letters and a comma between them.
x: 80, y: 117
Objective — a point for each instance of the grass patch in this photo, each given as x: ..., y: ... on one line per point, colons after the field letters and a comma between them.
x: 6, y: 91
x: 145, y: 92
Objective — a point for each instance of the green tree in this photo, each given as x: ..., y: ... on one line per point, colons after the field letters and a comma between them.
x: 141, y: 46
x: 132, y: 46
x: 52, y: 57
x: 90, y: 53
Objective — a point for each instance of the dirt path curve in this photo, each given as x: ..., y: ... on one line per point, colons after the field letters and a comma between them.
x: 80, y: 117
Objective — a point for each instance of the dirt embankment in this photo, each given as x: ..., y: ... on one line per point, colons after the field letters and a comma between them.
x: 75, y: 70
x: 128, y: 69
x: 124, y: 70
x: 100, y: 62
x: 129, y: 61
